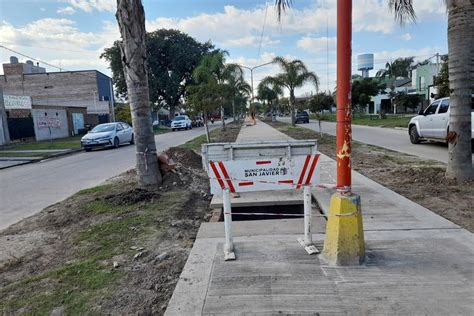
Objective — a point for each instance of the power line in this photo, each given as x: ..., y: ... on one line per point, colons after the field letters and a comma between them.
x: 53, y: 48
x: 263, y: 29
x: 48, y: 64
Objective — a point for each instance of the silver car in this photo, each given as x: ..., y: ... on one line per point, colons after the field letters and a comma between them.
x: 108, y: 135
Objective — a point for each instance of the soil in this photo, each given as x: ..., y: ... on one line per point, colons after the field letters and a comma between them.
x: 113, y: 249
x: 419, y: 180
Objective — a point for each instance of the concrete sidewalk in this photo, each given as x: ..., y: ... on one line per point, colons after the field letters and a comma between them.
x: 416, y: 261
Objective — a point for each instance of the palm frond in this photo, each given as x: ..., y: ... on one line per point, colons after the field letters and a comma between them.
x: 402, y: 10
x: 282, y: 6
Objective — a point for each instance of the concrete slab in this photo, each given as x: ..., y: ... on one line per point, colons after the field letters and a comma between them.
x: 271, y: 227
x: 264, y: 131
x: 417, y: 263
x: 419, y: 272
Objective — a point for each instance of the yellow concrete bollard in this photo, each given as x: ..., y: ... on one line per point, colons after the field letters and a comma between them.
x: 344, y: 242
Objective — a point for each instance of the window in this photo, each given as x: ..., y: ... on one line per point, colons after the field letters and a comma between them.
x: 124, y: 126
x: 443, y: 108
x: 432, y: 108
x: 119, y: 127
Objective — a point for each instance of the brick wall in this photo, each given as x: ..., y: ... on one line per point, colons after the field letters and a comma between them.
x: 69, y: 89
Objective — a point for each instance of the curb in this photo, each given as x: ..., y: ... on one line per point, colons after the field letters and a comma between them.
x: 52, y: 156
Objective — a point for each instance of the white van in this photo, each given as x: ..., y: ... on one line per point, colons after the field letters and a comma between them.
x: 432, y: 123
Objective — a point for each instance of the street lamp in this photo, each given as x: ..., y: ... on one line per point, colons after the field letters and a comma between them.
x: 251, y: 74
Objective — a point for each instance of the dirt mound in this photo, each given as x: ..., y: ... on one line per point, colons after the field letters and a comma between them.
x: 133, y: 196
x: 186, y: 157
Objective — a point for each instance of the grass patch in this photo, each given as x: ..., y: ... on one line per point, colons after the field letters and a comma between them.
x: 24, y: 155
x: 371, y: 120
x: 60, y: 143
x: 75, y: 286
x: 113, y: 236
x: 196, y: 143
x: 161, y: 130
x: 97, y: 189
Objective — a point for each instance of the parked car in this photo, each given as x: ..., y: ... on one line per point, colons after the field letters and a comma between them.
x: 302, y: 117
x: 108, y: 135
x: 181, y: 122
x: 432, y: 123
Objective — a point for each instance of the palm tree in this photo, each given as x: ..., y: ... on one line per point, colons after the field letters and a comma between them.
x: 131, y: 20
x: 294, y: 75
x: 461, y: 68
x: 400, y: 67
x: 213, y: 68
x: 240, y: 89
x: 268, y: 93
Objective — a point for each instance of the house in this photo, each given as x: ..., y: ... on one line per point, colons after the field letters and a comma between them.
x: 63, y: 102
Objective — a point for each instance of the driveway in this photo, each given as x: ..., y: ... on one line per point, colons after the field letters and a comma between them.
x: 26, y: 190
x: 389, y: 138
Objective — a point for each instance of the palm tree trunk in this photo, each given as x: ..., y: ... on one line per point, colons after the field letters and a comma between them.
x: 292, y: 107
x: 222, y: 118
x: 131, y: 20
x: 461, y: 72
x: 233, y: 109
x: 208, y: 136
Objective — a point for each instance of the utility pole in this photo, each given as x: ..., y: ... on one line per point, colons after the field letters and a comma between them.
x: 344, y: 241
x: 343, y: 96
x: 5, y: 137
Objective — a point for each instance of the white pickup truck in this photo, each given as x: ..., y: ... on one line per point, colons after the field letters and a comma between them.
x: 433, y: 122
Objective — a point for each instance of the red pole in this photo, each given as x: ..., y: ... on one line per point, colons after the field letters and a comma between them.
x: 343, y: 97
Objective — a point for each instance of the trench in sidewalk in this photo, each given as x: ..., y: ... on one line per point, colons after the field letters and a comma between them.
x: 270, y: 212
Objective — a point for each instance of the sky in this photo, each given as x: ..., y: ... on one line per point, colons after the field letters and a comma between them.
x: 72, y: 34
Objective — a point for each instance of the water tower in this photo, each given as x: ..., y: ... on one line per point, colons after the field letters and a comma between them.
x: 365, y: 62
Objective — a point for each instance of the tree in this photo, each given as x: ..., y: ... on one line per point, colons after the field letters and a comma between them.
x: 269, y: 94
x: 364, y: 88
x: 213, y: 68
x: 206, y: 97
x: 131, y: 20
x: 442, y: 79
x: 294, y: 75
x: 240, y: 89
x: 123, y: 114
x: 400, y: 67
x: 172, y: 57
x: 403, y: 100
x: 320, y: 102
x: 461, y: 83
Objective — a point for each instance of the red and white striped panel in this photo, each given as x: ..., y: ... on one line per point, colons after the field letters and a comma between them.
x: 263, y: 175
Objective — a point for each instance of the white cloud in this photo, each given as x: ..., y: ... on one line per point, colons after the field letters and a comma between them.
x: 59, y: 42
x: 91, y: 5
x: 407, y: 37
x: 245, y: 25
x: 66, y: 11
x: 317, y: 44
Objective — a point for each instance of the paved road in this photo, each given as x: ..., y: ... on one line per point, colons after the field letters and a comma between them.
x: 27, y: 189
x: 389, y: 138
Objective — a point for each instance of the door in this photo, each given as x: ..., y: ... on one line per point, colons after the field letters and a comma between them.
x: 120, y: 133
x: 127, y: 130
x: 440, y: 120
x: 77, y: 122
x: 425, y: 121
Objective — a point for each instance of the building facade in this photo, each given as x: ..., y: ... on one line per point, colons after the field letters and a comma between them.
x: 86, y: 97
